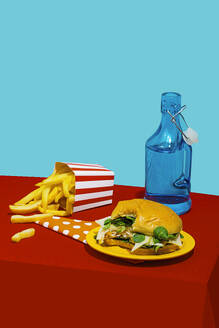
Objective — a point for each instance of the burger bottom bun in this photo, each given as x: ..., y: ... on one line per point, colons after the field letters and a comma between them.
x: 141, y: 251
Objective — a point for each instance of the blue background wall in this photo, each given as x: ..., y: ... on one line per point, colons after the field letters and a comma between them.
x: 81, y: 81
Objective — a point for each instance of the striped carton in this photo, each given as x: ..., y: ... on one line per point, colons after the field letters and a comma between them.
x: 93, y: 184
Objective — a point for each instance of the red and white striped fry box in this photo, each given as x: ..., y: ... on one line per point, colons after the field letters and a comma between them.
x: 93, y: 184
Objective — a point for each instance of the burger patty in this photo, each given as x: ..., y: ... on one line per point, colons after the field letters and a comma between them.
x: 114, y: 234
x: 141, y: 251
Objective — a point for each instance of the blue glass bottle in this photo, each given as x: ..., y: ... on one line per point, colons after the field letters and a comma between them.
x: 168, y: 160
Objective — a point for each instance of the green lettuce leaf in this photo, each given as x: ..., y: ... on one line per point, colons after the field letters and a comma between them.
x: 138, y: 237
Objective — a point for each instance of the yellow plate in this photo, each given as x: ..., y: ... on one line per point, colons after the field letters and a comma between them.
x: 188, y: 245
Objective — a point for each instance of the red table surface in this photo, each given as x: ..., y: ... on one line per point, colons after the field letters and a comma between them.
x: 53, y: 280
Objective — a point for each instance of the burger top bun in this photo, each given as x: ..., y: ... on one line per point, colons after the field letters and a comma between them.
x: 149, y: 215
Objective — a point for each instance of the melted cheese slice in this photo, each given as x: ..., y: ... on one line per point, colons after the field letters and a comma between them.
x: 150, y: 242
x: 100, y: 235
x: 147, y: 241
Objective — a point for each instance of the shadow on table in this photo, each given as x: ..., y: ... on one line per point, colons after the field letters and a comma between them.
x: 148, y: 263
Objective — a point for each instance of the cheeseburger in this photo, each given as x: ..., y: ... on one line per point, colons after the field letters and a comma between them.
x: 142, y: 226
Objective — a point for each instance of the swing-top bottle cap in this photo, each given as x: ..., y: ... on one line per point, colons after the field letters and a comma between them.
x: 170, y: 101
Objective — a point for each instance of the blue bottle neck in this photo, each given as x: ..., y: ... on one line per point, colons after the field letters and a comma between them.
x: 170, y: 102
x: 167, y: 124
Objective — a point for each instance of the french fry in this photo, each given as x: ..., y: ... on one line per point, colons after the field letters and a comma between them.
x: 26, y: 199
x: 41, y: 209
x: 30, y: 218
x: 25, y: 209
x: 45, y: 195
x: 31, y: 202
x: 57, y: 213
x: 53, y: 180
x: 52, y: 207
x: 52, y: 195
x: 69, y: 202
x: 65, y: 186
x: 38, y: 196
x: 23, y: 234
x: 59, y: 196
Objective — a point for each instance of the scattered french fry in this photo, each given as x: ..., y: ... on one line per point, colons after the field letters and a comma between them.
x: 30, y: 218
x: 25, y: 209
x: 23, y: 234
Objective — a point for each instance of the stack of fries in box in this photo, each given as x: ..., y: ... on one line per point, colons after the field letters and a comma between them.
x: 54, y: 196
x: 55, y: 192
